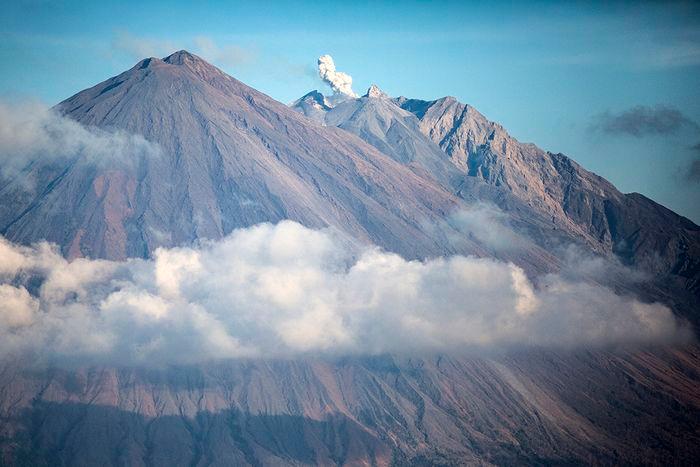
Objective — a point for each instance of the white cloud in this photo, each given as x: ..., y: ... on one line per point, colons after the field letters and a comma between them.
x: 19, y: 306
x: 285, y: 290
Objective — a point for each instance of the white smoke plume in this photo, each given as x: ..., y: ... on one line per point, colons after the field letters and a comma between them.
x: 285, y: 290
x: 340, y: 83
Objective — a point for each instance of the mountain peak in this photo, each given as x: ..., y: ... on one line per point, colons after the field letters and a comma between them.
x: 195, y: 64
x: 315, y: 97
x: 374, y: 91
x: 314, y: 105
x: 182, y: 57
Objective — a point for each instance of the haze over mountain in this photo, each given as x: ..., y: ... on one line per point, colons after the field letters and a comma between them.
x: 347, y: 354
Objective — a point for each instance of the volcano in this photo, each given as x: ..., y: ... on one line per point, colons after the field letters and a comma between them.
x: 377, y: 170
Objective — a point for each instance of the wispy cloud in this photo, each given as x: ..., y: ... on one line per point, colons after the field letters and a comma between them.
x: 679, y: 54
x: 139, y: 47
x: 230, y: 56
x: 226, y: 55
x: 222, y: 54
x: 488, y: 225
x: 643, y: 120
x: 31, y: 131
x: 693, y: 173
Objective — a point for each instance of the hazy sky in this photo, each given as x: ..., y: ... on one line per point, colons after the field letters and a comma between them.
x: 615, y: 86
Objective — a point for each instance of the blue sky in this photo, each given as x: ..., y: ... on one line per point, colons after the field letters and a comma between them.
x: 556, y: 75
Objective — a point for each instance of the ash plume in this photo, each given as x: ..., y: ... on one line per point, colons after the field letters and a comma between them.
x: 340, y: 83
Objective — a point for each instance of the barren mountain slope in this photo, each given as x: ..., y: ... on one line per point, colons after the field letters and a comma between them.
x: 535, y: 408
x: 379, y: 121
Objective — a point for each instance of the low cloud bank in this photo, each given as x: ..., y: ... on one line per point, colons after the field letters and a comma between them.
x: 285, y: 290
x: 31, y: 131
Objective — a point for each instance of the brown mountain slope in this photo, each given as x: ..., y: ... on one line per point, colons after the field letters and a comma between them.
x: 535, y: 408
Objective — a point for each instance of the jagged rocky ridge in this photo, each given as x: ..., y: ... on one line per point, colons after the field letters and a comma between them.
x: 380, y: 170
x: 632, y: 226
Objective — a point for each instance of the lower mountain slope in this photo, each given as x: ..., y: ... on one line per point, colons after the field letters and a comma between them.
x: 543, y: 407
